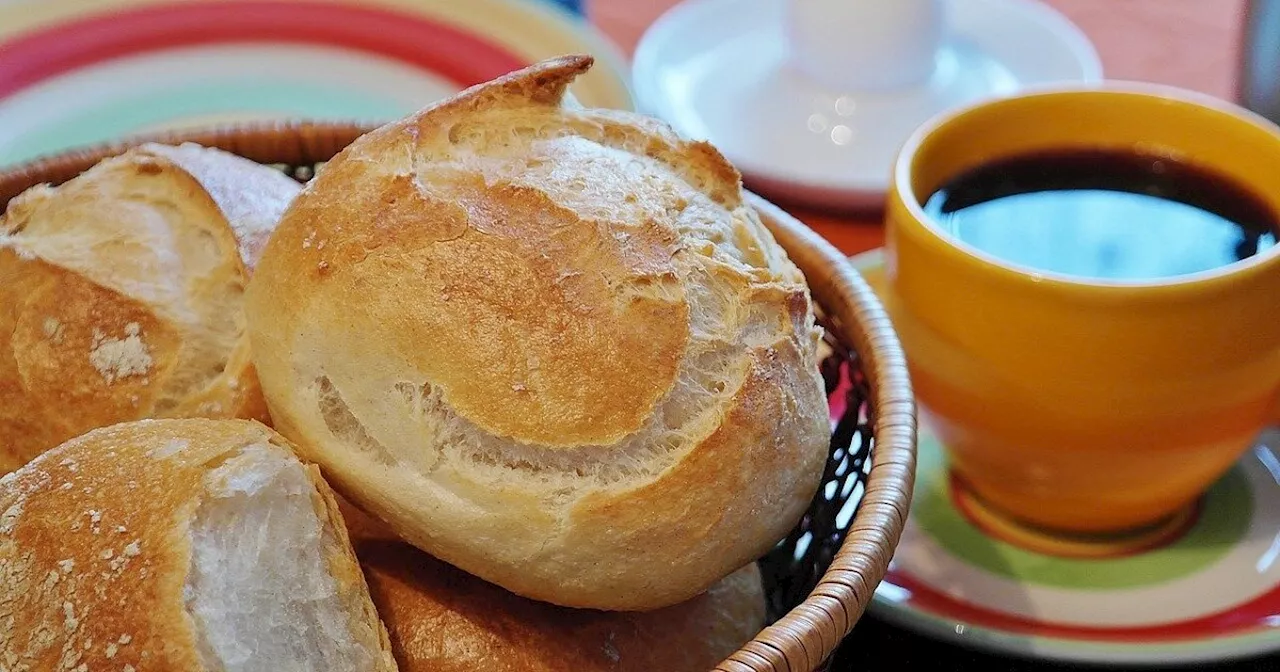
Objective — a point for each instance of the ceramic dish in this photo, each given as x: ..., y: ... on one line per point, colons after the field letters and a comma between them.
x: 77, y: 72
x: 721, y: 70
x: 1207, y: 588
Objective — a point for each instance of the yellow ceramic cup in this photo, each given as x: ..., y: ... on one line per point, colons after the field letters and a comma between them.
x: 1072, y: 404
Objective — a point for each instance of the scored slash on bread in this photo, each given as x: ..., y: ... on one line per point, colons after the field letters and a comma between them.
x: 122, y: 292
x: 551, y: 346
x: 180, y: 545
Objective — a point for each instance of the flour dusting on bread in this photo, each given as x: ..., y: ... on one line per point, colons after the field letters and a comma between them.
x: 116, y: 358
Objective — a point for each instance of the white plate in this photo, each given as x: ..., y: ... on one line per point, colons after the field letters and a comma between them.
x: 719, y: 70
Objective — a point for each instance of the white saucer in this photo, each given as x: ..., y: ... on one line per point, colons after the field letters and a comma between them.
x: 721, y: 70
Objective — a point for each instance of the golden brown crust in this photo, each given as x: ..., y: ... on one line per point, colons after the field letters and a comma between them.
x: 444, y: 620
x: 94, y: 546
x: 80, y: 570
x: 121, y: 291
x: 550, y: 346
x: 51, y: 324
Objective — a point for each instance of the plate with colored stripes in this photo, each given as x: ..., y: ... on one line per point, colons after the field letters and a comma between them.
x: 1204, y: 587
x: 76, y: 72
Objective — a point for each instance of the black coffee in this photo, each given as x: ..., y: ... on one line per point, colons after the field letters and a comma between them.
x: 1104, y: 214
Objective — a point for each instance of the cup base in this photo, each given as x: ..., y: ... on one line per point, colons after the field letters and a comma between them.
x: 999, y: 525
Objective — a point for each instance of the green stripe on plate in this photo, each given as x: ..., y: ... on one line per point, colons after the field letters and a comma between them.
x: 100, y: 123
x: 1223, y: 520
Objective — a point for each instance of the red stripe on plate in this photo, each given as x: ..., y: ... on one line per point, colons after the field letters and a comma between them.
x: 1256, y: 615
x: 464, y: 58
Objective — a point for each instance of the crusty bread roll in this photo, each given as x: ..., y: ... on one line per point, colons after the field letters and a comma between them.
x: 122, y: 294
x: 441, y: 619
x: 176, y: 545
x: 551, y: 346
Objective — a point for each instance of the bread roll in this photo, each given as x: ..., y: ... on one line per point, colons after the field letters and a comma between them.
x: 175, y: 545
x: 551, y: 346
x: 122, y: 294
x: 441, y: 619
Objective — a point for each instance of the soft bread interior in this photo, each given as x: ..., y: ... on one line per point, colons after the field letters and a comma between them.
x: 260, y: 589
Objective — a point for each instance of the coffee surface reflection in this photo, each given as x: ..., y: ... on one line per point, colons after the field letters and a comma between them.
x: 1104, y: 214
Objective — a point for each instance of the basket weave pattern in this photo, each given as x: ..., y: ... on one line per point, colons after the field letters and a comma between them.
x: 820, y: 578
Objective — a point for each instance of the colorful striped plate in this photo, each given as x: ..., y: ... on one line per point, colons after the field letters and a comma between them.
x: 1210, y: 592
x: 74, y: 72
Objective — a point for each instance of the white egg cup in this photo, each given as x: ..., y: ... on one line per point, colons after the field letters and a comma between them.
x: 811, y: 99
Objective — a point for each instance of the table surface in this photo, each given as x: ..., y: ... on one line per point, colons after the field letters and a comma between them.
x: 1188, y: 43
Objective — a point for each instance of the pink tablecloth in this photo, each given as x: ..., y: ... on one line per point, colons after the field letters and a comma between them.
x: 1187, y: 43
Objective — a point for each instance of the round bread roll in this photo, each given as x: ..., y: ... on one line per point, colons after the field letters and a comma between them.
x: 441, y: 619
x: 123, y: 294
x: 201, y: 545
x: 551, y: 346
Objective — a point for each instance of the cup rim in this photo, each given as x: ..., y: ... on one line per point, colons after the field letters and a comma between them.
x: 902, y: 173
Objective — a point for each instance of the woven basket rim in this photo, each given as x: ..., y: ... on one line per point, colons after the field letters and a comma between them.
x: 806, y: 636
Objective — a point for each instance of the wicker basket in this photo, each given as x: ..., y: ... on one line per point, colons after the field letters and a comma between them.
x: 821, y: 577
